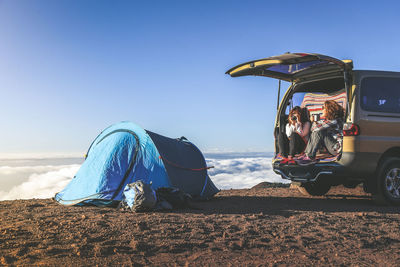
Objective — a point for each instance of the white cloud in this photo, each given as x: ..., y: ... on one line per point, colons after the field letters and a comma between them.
x: 49, y: 155
x: 43, y: 185
x: 240, y: 173
x: 21, y: 170
x: 232, y: 170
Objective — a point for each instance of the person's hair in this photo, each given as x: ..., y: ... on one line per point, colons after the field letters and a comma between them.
x: 333, y: 110
x: 305, y: 115
x: 302, y: 113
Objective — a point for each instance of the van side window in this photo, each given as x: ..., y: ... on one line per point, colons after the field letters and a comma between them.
x: 380, y: 94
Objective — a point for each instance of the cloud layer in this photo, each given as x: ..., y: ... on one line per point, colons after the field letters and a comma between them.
x: 43, y: 185
x: 231, y: 171
x: 240, y: 173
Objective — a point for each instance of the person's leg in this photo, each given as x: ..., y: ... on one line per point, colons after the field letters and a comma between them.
x: 308, y: 147
x: 283, y: 144
x: 314, y: 143
x: 296, y: 144
x: 330, y: 143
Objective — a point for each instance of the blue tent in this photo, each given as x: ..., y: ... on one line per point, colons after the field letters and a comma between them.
x: 124, y: 153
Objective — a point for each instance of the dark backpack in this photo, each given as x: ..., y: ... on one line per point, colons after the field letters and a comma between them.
x: 139, y: 196
x: 175, y: 197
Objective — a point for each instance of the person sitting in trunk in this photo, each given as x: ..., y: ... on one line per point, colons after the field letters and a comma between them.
x: 295, y: 139
x: 326, y: 133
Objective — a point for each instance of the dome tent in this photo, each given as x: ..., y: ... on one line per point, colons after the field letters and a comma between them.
x: 124, y: 153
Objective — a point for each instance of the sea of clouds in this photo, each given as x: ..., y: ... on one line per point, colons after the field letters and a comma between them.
x: 241, y: 170
x: 42, y: 177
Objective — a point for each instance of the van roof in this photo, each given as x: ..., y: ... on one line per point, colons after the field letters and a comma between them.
x: 377, y: 72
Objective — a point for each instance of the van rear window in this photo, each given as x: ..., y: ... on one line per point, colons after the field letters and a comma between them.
x: 293, y: 68
x: 380, y: 94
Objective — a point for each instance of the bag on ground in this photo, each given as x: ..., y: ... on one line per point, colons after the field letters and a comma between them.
x: 139, y: 196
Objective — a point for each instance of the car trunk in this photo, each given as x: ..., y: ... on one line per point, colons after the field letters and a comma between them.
x: 315, y: 78
x: 312, y: 95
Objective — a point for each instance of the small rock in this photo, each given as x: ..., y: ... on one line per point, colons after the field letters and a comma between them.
x: 225, y: 235
x: 234, y: 245
x: 134, y: 244
x: 3, y: 260
x: 142, y: 226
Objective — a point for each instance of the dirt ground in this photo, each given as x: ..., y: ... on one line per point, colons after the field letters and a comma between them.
x: 262, y: 226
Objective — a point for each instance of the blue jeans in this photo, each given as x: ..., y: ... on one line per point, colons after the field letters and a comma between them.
x: 320, y: 139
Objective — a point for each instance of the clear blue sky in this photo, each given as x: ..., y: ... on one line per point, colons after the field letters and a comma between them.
x: 68, y: 69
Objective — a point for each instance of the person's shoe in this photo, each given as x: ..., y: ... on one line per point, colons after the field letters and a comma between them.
x: 302, y: 156
x: 284, y: 161
x: 305, y: 161
x: 291, y: 162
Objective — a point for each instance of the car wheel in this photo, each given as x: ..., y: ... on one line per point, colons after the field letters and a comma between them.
x: 351, y: 184
x: 317, y: 188
x: 388, y: 183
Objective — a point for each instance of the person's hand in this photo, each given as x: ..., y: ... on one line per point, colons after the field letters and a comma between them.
x: 290, y: 120
x: 297, y: 121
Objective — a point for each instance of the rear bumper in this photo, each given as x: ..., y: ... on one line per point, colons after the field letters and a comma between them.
x: 355, y: 166
x: 307, y: 173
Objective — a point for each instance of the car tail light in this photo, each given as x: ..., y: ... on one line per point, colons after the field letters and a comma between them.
x: 351, y: 129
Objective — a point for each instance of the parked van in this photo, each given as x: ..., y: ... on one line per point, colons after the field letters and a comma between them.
x: 370, y: 153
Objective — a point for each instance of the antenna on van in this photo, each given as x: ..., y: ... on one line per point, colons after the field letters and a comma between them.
x: 279, y: 92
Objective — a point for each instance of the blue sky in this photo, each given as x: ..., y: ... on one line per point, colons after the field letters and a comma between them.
x: 68, y: 69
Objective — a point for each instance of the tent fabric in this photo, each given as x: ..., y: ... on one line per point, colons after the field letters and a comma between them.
x: 185, y: 165
x: 125, y: 153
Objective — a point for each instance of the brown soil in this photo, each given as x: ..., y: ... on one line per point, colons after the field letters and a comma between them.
x: 255, y: 227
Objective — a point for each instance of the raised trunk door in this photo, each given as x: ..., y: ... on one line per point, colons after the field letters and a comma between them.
x: 288, y: 67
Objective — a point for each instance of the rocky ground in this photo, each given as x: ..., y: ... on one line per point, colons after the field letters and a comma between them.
x: 262, y: 226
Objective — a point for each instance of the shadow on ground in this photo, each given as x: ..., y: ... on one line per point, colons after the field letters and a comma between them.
x: 274, y: 205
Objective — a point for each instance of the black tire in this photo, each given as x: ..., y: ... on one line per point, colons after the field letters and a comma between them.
x: 317, y: 188
x: 388, y: 183
x: 351, y: 184
x: 366, y: 188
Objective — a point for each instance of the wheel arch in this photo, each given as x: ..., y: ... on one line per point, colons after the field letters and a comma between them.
x: 393, y: 152
x: 370, y: 183
x: 380, y: 196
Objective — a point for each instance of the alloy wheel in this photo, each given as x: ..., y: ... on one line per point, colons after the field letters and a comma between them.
x: 392, y: 183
